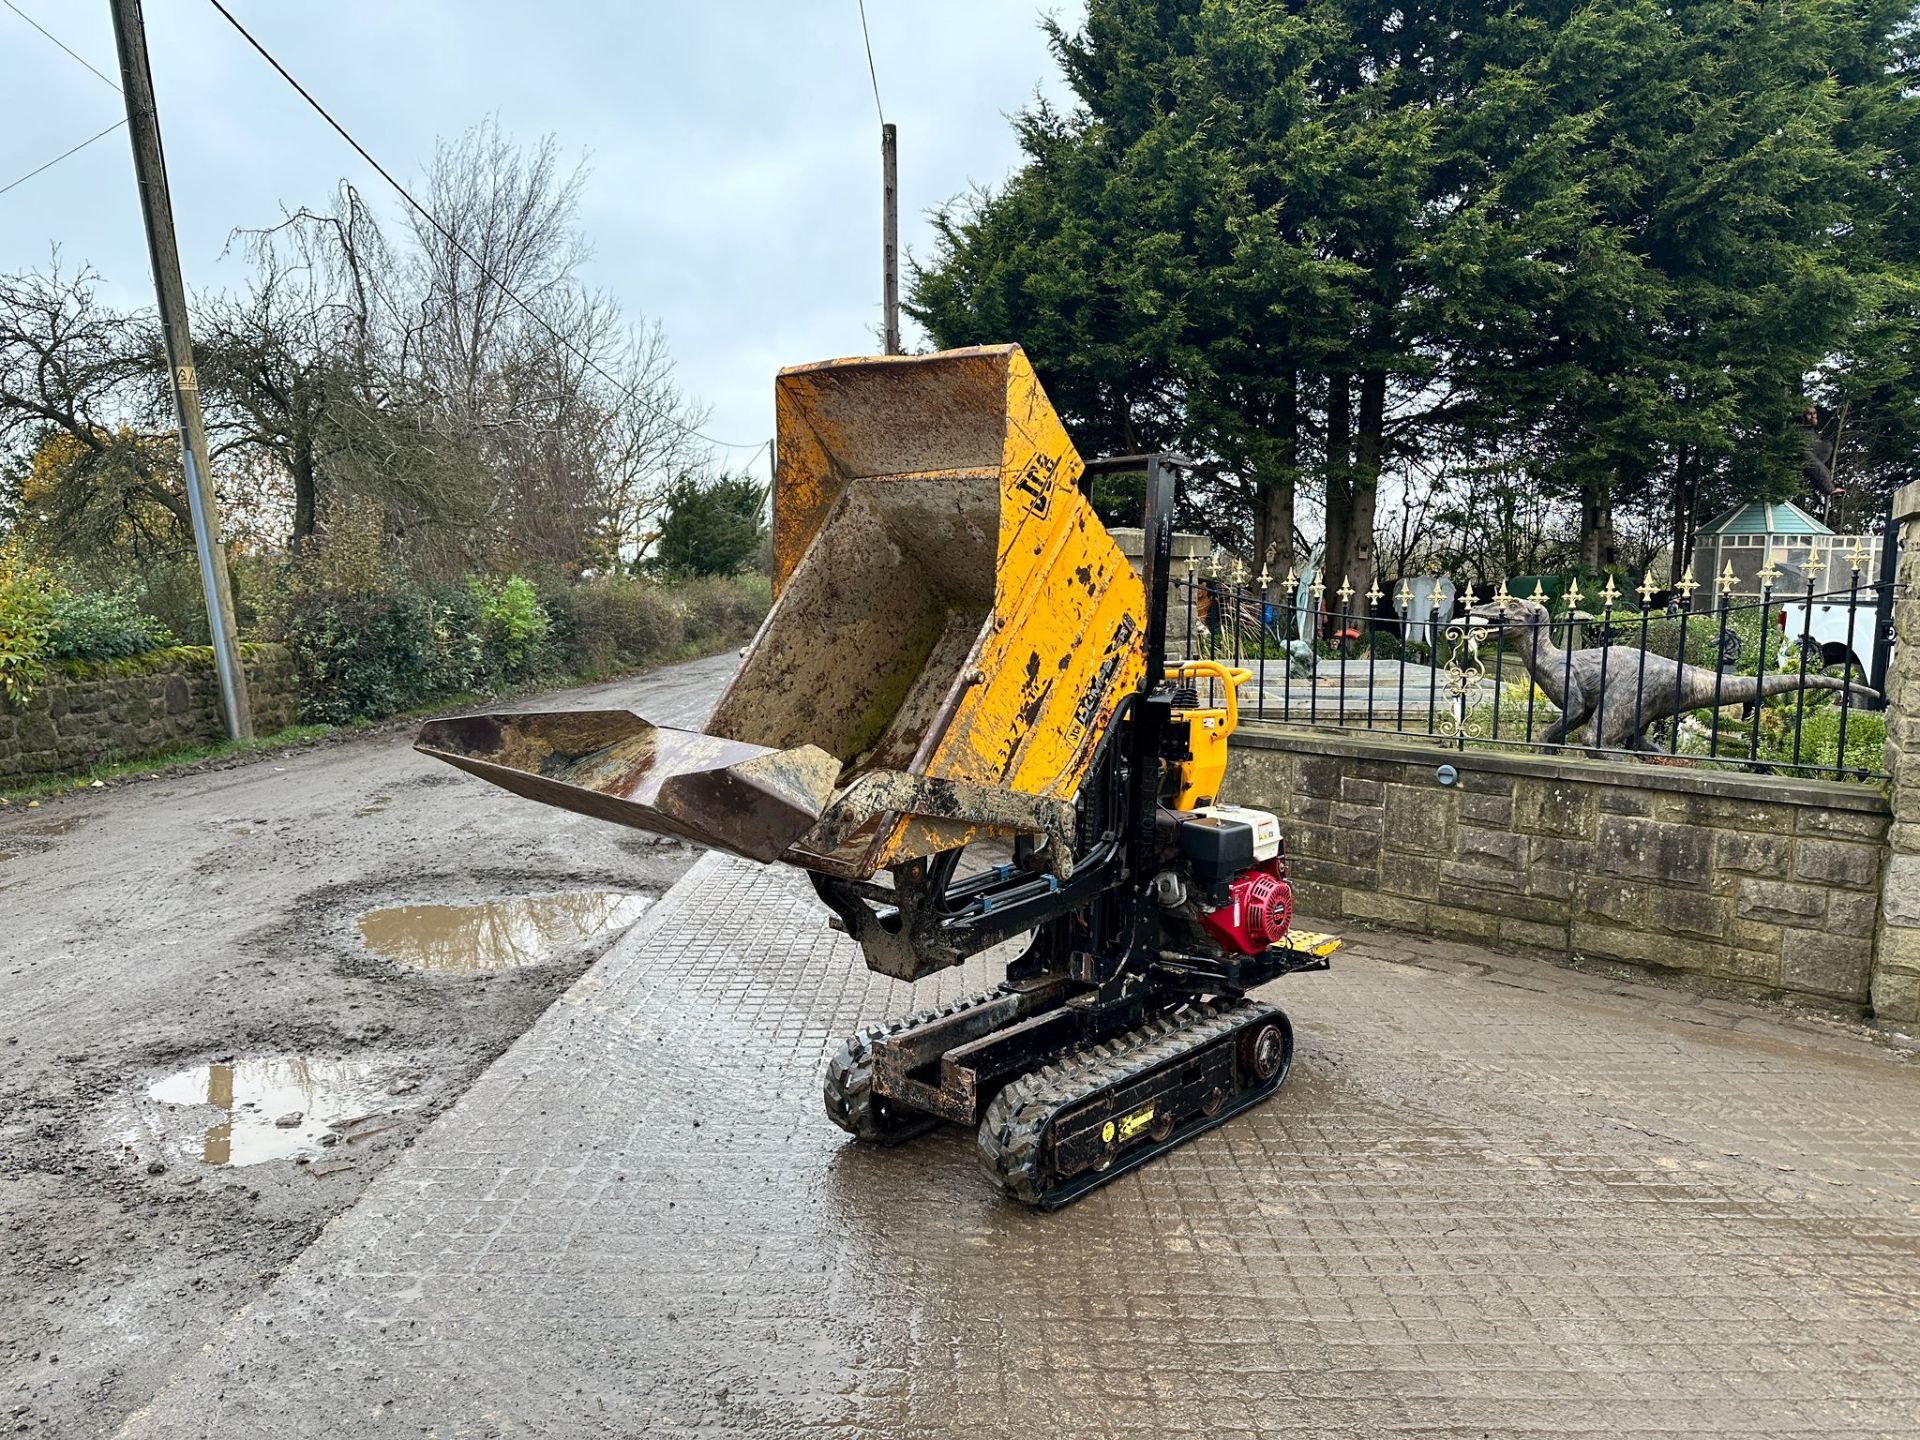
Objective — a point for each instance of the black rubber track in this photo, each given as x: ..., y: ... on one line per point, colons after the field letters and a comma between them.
x: 1013, y: 1134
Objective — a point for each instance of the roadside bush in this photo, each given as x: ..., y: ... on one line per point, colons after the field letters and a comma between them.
x: 26, y: 620
x: 460, y: 661
x: 41, y: 619
x: 716, y: 610
x: 563, y: 621
x: 370, y: 640
x: 620, y: 622
x: 170, y: 591
x: 101, y: 625
x: 361, y: 654
x: 512, y: 626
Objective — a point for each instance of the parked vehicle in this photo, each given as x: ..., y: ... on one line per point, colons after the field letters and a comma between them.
x: 1841, y: 627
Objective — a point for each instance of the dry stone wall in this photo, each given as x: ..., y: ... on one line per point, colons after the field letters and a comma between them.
x: 89, y: 712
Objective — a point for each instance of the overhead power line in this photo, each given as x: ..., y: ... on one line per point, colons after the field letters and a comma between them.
x: 474, y: 260
x: 63, y: 155
x: 105, y: 78
x: 872, y: 74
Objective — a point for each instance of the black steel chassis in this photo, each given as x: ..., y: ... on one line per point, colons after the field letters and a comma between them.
x: 1099, y: 1031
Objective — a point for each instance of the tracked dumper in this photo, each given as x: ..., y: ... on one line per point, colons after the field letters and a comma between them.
x: 960, y: 721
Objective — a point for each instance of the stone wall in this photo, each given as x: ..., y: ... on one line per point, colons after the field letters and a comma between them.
x: 1753, y: 879
x: 1896, y: 981
x: 87, y: 712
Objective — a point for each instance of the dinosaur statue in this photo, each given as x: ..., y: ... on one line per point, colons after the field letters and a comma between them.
x: 1613, y: 719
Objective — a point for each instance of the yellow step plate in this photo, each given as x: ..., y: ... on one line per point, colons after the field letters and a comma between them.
x: 1311, y: 942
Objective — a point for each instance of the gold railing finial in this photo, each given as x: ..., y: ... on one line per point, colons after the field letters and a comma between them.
x: 1468, y: 598
x: 1266, y: 579
x: 1647, y: 589
x: 1610, y: 596
x: 1770, y: 572
x: 1373, y: 594
x: 1345, y: 592
x: 1574, y: 597
x: 1727, y: 580
x: 1688, y: 584
x: 1237, y: 572
x: 1814, y: 566
x: 1539, y: 596
x: 1857, y: 556
x: 1292, y: 582
x: 1501, y: 592
x: 1405, y: 597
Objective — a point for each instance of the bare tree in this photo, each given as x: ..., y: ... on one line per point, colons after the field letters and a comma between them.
x: 83, y: 422
x: 309, y: 366
x: 466, y: 384
x: 503, y: 257
x: 648, y: 439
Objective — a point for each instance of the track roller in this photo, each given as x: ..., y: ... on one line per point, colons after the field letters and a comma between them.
x: 1051, y: 1136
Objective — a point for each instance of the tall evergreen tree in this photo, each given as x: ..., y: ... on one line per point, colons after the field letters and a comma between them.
x: 1300, y: 237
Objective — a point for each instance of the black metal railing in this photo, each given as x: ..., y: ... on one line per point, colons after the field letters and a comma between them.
x: 1779, y: 679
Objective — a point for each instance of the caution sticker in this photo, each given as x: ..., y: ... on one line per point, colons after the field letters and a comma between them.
x: 1132, y: 1125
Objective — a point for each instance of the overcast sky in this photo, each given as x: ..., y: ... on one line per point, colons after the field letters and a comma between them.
x: 732, y: 146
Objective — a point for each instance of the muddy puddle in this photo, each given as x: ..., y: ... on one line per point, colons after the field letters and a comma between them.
x: 276, y: 1107
x: 497, y: 934
x: 58, y: 827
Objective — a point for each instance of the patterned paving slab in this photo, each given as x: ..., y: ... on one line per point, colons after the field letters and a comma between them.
x: 1496, y: 1199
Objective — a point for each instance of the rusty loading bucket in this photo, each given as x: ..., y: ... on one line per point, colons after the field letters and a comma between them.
x: 952, y: 632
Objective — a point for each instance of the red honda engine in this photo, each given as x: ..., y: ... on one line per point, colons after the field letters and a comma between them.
x: 1258, y: 910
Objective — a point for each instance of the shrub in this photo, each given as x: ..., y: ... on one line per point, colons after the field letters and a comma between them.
x: 621, y: 622
x: 512, y: 626
x: 101, y: 625
x: 361, y: 654
x: 26, y: 621
x: 1820, y: 739
x: 460, y: 660
x: 716, y: 611
x: 563, y: 621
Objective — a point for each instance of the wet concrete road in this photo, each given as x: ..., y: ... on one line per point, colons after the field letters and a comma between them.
x: 1496, y: 1199
x: 157, y: 929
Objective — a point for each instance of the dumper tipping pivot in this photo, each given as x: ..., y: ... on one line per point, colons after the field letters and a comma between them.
x: 958, y: 653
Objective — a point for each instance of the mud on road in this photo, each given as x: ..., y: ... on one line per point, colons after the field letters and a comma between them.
x: 196, y: 937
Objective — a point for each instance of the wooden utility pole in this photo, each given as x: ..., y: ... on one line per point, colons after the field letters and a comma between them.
x: 890, y: 237
x: 156, y: 208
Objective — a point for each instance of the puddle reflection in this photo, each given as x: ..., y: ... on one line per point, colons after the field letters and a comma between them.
x: 497, y: 935
x: 255, y: 1095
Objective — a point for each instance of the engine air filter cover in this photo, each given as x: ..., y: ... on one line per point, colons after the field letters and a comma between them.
x: 1216, y: 849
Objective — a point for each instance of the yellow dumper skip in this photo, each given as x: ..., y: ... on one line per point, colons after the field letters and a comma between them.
x: 952, y: 628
